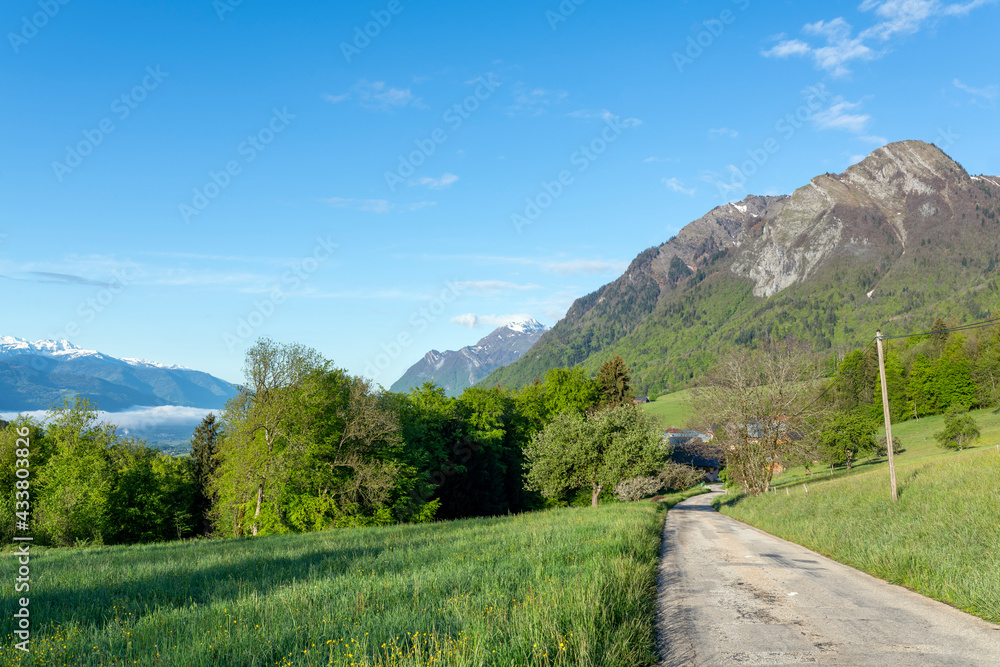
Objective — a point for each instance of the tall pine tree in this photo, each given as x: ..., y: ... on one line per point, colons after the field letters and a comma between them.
x: 204, y: 445
x: 615, y: 382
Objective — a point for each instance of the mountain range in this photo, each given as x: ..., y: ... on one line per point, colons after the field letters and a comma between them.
x: 37, y: 375
x: 895, y: 241
x: 455, y: 370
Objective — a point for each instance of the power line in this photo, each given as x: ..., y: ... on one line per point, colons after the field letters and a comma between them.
x: 964, y: 327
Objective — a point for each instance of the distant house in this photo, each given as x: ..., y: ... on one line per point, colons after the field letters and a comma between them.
x: 692, y: 448
x: 639, y: 400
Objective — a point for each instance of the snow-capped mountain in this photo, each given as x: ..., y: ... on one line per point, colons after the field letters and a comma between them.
x: 455, y: 370
x: 34, y: 375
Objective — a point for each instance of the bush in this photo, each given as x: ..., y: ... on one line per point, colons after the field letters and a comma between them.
x: 881, y: 450
x: 960, y: 429
x: 675, y: 477
x: 637, y: 488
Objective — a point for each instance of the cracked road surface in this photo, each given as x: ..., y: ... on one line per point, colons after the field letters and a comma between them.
x: 730, y: 594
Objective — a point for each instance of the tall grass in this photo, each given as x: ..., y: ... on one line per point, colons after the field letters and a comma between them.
x: 942, y: 538
x: 562, y: 587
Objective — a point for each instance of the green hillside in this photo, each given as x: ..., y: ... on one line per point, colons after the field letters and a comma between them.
x: 671, y: 410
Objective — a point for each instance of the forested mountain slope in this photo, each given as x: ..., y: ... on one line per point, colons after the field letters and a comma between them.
x: 897, y: 240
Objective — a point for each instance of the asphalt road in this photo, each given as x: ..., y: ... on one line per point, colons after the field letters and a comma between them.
x: 730, y: 594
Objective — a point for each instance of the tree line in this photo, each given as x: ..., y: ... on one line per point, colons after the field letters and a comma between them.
x: 307, y: 446
x: 776, y: 406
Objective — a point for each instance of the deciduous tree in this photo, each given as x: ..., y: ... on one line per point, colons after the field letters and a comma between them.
x: 594, y: 451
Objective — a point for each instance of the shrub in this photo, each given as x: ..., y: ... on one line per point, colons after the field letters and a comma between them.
x: 675, y: 477
x: 678, y: 476
x: 881, y: 450
x: 960, y: 429
x: 637, y: 488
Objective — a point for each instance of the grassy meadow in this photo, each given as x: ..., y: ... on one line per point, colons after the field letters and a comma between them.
x: 568, y: 587
x: 671, y: 410
x: 941, y: 539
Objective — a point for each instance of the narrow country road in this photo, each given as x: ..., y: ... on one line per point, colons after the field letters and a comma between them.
x: 730, y: 594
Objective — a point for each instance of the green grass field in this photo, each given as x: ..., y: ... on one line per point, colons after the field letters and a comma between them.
x: 941, y: 539
x: 671, y: 410
x: 561, y: 587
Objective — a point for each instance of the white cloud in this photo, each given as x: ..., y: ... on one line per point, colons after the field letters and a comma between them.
x: 474, y: 321
x: 446, y: 181
x: 534, y: 101
x: 605, y: 115
x: 561, y: 267
x: 842, y: 46
x: 369, y: 205
x: 838, y: 116
x: 723, y: 132
x: 380, y: 206
x: 138, y: 418
x: 590, y: 266
x: 874, y: 139
x: 676, y: 186
x: 987, y: 93
x: 495, y: 286
x: 731, y: 190
x: 786, y: 48
x: 376, y: 96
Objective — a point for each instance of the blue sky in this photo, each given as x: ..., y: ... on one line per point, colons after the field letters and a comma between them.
x: 180, y: 178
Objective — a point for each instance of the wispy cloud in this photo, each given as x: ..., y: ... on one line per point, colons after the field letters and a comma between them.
x: 557, y: 266
x: 874, y: 140
x: 842, y: 45
x: 369, y: 205
x: 676, y: 186
x: 724, y: 132
x: 986, y: 94
x: 376, y: 96
x: 839, y: 116
x: 653, y: 158
x: 56, y: 278
x: 474, y: 321
x: 605, y: 115
x: 446, y: 181
x: 378, y: 206
x: 495, y: 286
x: 534, y: 101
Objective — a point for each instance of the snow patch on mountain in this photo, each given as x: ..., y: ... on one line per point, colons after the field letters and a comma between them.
x: 65, y: 350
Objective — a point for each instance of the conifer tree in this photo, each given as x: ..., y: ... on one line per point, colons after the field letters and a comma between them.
x: 615, y: 381
x: 204, y: 446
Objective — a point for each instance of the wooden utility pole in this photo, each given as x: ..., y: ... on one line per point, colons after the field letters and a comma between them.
x: 885, y: 411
